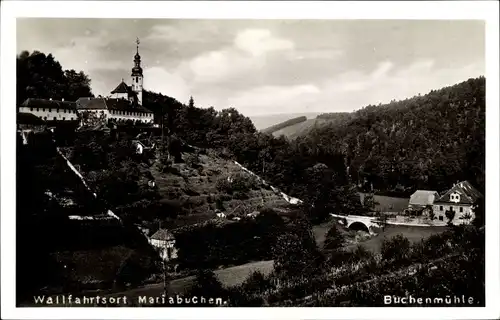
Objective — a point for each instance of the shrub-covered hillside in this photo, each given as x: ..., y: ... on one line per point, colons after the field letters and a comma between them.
x: 151, y: 189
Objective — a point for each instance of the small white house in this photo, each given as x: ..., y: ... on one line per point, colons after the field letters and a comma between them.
x: 220, y: 215
x: 164, y: 241
x: 253, y: 214
x: 140, y: 147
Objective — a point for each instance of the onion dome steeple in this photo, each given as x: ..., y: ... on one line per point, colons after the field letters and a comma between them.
x: 137, y: 70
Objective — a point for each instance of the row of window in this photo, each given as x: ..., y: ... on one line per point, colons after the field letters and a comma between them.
x: 128, y: 113
x: 55, y: 118
x: 121, y: 119
x: 451, y: 208
x: 125, y: 113
x: 50, y: 110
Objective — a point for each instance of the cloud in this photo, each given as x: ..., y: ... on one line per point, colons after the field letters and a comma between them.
x: 356, y: 89
x: 322, y: 54
x: 159, y: 80
x: 382, y: 70
x: 220, y: 66
x: 247, y: 54
x: 178, y: 32
x: 260, y: 41
x: 267, y: 66
x: 85, y: 53
x: 261, y: 100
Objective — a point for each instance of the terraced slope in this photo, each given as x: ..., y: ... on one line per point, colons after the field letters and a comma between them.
x: 196, y: 188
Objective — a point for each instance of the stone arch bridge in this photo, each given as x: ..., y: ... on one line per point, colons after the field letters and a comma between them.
x: 365, y: 223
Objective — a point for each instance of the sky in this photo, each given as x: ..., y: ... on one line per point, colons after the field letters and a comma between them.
x: 263, y: 67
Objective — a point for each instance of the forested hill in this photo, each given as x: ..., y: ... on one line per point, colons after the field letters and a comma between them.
x: 425, y: 142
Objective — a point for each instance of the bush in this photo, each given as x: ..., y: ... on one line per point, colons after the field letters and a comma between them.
x: 223, y: 185
x: 240, y: 195
x: 193, y: 160
x: 296, y: 255
x: 164, y: 163
x: 450, y: 214
x: 206, y: 284
x: 256, y: 283
x: 396, y: 249
x: 175, y: 149
x: 360, y: 253
x: 240, y: 182
x: 219, y: 204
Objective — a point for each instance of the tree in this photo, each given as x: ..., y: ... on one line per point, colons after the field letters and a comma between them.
x: 41, y: 76
x: 479, y: 213
x: 256, y: 283
x: 395, y: 249
x: 77, y: 85
x: 450, y: 214
x: 368, y: 202
x: 206, y: 284
x: 334, y: 239
x: 295, y: 253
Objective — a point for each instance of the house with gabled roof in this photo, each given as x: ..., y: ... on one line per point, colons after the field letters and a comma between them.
x: 459, y: 202
x: 421, y: 201
x: 123, y: 91
x: 164, y: 241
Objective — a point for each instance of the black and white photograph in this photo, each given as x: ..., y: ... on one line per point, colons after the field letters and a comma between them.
x: 245, y: 162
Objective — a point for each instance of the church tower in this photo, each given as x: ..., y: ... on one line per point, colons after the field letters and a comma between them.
x: 137, y: 76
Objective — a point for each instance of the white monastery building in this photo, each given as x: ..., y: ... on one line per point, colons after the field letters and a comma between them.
x: 50, y: 110
x: 124, y: 104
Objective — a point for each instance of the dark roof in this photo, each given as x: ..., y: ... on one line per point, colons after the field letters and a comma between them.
x: 29, y: 118
x: 91, y: 103
x: 162, y: 234
x: 109, y: 104
x: 45, y: 103
x: 423, y: 197
x: 125, y: 105
x: 468, y: 194
x: 122, y: 88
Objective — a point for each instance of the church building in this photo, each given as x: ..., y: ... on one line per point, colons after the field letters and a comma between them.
x: 124, y: 103
x: 134, y: 91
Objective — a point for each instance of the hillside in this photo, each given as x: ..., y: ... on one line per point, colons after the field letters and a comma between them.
x: 303, y: 128
x: 64, y: 231
x: 262, y: 122
x: 425, y: 142
x: 284, y: 124
x: 299, y: 129
x: 200, y: 184
x: 188, y: 189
